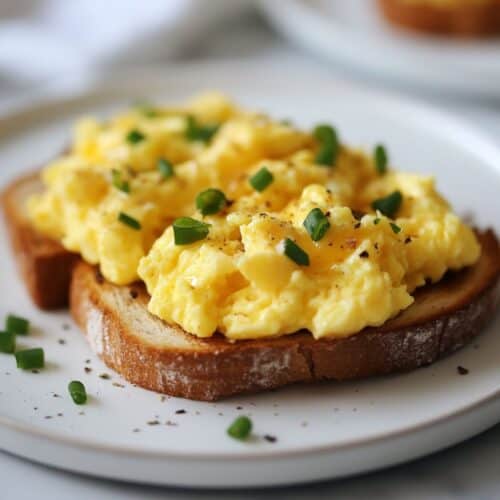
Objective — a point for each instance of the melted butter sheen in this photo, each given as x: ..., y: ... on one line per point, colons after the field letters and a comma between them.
x: 238, y: 281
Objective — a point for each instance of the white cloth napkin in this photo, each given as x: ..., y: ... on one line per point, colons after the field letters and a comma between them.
x: 41, y: 39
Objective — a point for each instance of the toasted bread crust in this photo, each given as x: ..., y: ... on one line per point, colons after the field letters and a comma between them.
x: 461, y: 20
x: 210, y: 369
x: 45, y: 265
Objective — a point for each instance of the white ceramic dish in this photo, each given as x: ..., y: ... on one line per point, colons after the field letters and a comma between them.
x: 353, y: 32
x: 322, y: 431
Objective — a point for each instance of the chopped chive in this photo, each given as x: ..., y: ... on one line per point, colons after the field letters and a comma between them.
x: 188, y: 230
x: 390, y: 204
x: 396, y: 229
x: 316, y: 224
x: 380, y: 158
x: 211, y: 201
x: 118, y: 182
x: 198, y: 132
x: 134, y: 136
x: 77, y: 392
x: 165, y: 167
x: 129, y: 221
x: 295, y: 253
x: 376, y: 220
x: 260, y: 180
x: 17, y: 325
x: 30, y: 358
x: 240, y: 428
x: 329, y: 145
x: 7, y: 342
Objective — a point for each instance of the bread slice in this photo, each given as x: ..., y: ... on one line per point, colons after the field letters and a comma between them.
x: 164, y: 358
x: 45, y: 265
x: 460, y: 19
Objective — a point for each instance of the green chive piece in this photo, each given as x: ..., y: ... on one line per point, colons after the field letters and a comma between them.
x: 197, y: 132
x: 29, y: 359
x: 17, y: 325
x: 240, y: 428
x: 260, y: 180
x: 396, y: 229
x: 295, y: 253
x: 118, y: 182
x: 329, y: 145
x: 188, y: 230
x: 165, y: 167
x: 381, y: 159
x: 389, y: 205
x: 316, y: 224
x: 129, y: 221
x: 211, y: 201
x: 376, y: 220
x: 134, y: 136
x: 77, y: 392
x: 7, y: 342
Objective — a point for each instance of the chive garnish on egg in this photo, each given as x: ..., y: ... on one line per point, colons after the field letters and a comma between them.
x: 188, y: 230
x: 77, y: 392
x: 260, y: 180
x: 211, y: 201
x: 329, y: 145
x: 135, y: 136
x: 165, y: 168
x: 17, y: 325
x: 395, y: 228
x: 129, y: 221
x: 240, y: 428
x: 198, y: 132
x: 30, y: 359
x: 295, y: 253
x: 118, y: 182
x: 316, y: 224
x: 389, y: 205
x: 380, y: 158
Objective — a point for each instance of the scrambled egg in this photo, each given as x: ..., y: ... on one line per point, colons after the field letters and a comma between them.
x: 108, y: 200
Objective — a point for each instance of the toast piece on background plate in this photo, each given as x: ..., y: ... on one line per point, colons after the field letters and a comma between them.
x: 164, y: 358
x: 461, y: 18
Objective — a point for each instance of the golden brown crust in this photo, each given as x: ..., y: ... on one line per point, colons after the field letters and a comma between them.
x: 444, y: 317
x: 462, y: 19
x: 44, y: 264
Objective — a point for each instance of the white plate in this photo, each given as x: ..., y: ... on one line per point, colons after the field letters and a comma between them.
x: 323, y: 431
x: 354, y: 32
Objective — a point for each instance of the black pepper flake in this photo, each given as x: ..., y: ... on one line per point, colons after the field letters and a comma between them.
x: 171, y: 423
x: 99, y: 277
x: 59, y: 414
x: 134, y: 293
x: 180, y: 412
x: 239, y: 407
x: 153, y: 422
x: 136, y: 430
x: 66, y: 326
x: 407, y: 240
x: 163, y: 398
x: 87, y: 361
x: 32, y: 371
x: 116, y: 384
x: 87, y: 369
x: 357, y: 225
x: 270, y: 439
x: 47, y: 417
x: 35, y: 408
x: 61, y: 341
x: 364, y: 254
x: 462, y: 371
x: 55, y: 395
x: 104, y: 376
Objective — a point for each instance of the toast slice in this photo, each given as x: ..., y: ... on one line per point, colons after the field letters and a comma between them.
x: 459, y: 19
x: 45, y: 265
x: 164, y: 358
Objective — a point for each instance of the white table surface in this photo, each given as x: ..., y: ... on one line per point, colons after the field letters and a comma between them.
x: 467, y: 471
